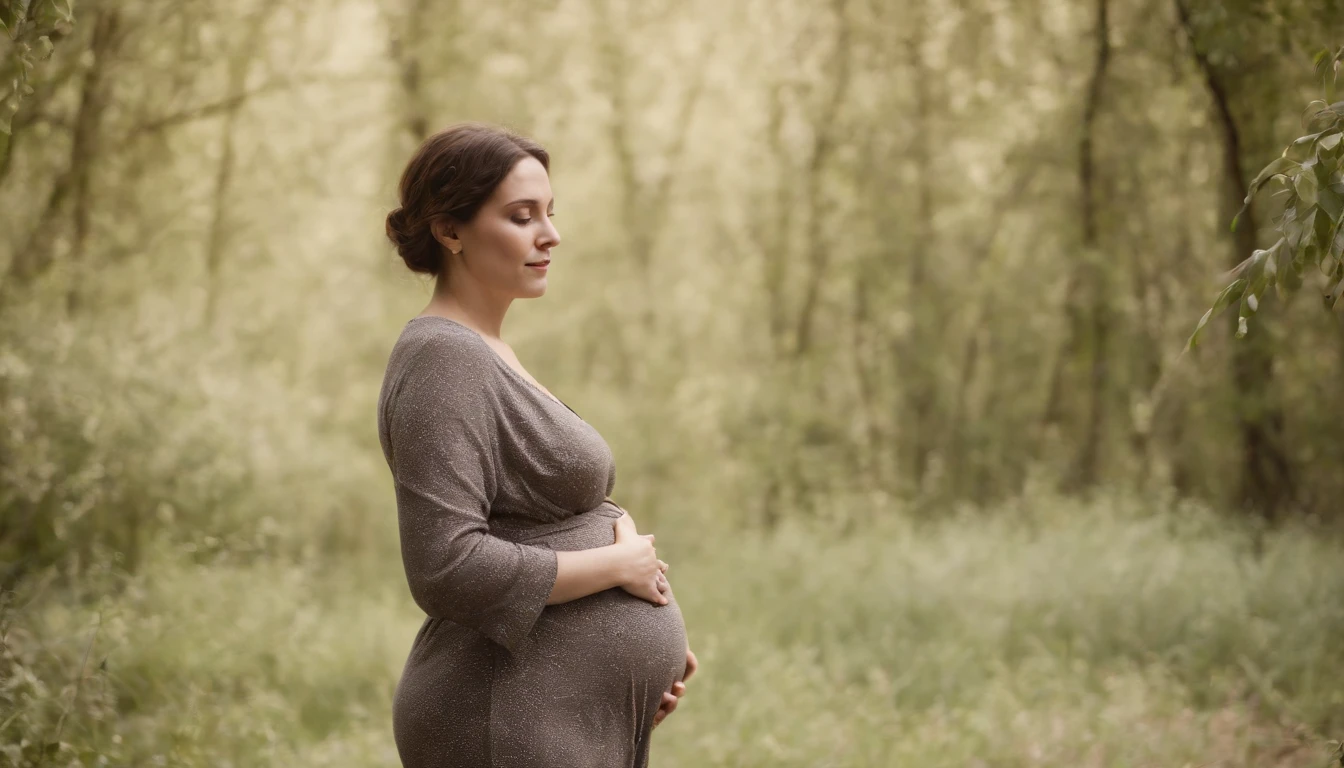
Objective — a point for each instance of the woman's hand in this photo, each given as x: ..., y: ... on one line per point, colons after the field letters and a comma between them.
x: 671, y: 698
x: 629, y: 523
x: 640, y: 572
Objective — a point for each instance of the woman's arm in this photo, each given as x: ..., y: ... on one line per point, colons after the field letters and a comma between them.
x: 585, y: 572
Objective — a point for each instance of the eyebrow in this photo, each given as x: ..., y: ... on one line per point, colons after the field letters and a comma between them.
x: 527, y: 200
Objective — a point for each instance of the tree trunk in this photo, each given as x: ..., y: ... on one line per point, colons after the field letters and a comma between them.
x: 36, y: 256
x: 818, y: 250
x: 1086, y: 471
x: 919, y: 346
x: 1266, y: 477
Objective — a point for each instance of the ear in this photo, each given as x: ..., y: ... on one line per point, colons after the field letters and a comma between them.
x: 446, y: 233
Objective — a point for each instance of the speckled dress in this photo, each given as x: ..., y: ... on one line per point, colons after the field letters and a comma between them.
x: 492, y: 477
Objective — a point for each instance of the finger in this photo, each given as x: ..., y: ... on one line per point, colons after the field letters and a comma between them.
x: 678, y: 690
x: 692, y: 664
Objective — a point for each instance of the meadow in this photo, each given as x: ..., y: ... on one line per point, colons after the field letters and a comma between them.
x: 1047, y: 632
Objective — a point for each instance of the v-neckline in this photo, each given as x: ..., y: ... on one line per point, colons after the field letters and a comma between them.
x: 505, y: 364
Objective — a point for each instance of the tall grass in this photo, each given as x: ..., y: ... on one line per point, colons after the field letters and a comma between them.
x: 1049, y: 632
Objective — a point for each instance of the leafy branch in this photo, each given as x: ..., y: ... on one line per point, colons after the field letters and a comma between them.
x: 1311, y: 170
x: 27, y: 29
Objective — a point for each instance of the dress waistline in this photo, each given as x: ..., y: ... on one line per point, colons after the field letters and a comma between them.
x: 522, y: 532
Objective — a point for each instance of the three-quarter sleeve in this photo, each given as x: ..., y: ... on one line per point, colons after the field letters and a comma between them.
x: 442, y: 432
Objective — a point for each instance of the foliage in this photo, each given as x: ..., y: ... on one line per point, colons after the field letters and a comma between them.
x: 1311, y: 170
x: 30, y: 26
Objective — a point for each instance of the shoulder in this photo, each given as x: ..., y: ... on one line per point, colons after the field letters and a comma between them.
x: 440, y: 389
x: 434, y: 356
x: 428, y: 340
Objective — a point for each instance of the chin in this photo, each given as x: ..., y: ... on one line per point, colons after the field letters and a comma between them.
x: 533, y: 291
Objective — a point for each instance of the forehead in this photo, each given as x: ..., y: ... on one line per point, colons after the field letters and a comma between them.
x: 528, y: 178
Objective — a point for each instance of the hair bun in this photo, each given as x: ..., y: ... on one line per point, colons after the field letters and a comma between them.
x: 415, y: 244
x: 395, y: 222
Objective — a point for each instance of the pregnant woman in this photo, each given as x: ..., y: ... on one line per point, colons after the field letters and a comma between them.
x: 552, y: 638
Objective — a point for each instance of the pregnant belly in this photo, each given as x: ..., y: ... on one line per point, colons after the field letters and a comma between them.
x: 612, y: 638
x: 617, y: 639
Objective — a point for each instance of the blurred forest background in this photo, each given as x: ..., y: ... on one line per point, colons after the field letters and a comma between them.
x: 880, y: 305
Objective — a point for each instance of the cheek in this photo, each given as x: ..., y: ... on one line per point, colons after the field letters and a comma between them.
x: 509, y: 241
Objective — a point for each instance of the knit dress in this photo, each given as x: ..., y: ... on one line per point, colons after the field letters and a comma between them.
x: 492, y: 478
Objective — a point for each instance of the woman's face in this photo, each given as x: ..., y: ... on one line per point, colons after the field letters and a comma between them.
x: 510, y: 233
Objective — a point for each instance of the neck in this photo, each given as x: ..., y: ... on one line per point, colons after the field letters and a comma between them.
x: 472, y: 305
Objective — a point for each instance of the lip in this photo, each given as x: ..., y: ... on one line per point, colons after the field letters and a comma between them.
x: 542, y: 266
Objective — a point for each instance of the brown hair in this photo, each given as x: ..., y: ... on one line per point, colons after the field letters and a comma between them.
x: 450, y: 176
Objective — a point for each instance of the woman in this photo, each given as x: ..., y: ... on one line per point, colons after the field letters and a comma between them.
x: 552, y: 638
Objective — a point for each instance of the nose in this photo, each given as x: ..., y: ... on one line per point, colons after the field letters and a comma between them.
x: 550, y: 237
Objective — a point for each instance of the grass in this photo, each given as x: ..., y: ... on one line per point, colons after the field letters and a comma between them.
x: 1046, y: 633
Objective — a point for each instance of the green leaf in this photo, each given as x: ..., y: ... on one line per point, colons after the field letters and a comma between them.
x: 1294, y: 229
x: 1305, y: 184
x: 1333, y: 297
x: 1253, y: 270
x: 1329, y: 202
x: 1199, y: 327
x: 1230, y: 294
x: 1290, y: 281
x: 1276, y: 166
x: 1272, y: 268
x: 1328, y: 143
x: 1335, y: 240
x: 1289, y: 214
x: 1318, y: 116
x: 1301, y: 148
x: 1321, y: 228
x: 1311, y: 254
